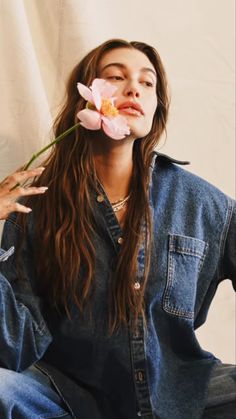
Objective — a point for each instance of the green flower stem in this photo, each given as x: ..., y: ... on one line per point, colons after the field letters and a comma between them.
x: 57, y: 140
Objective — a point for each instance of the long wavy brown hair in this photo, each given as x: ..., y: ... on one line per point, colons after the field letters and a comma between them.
x: 65, y: 216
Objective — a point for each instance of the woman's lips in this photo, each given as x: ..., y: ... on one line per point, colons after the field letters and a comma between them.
x: 130, y: 107
x: 130, y: 111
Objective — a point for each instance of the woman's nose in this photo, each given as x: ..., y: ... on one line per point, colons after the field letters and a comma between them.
x: 132, y: 89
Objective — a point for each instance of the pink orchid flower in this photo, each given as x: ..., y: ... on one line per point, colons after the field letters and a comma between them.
x: 100, y: 111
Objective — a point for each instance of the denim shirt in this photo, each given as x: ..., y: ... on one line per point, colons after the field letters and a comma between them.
x: 160, y: 371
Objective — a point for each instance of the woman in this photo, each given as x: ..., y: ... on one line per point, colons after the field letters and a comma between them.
x: 109, y: 299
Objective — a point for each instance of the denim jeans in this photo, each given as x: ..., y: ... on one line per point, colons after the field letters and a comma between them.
x: 221, y: 400
x: 31, y: 395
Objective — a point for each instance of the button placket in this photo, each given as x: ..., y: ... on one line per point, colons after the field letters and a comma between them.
x: 138, y: 348
x: 137, y: 337
x: 140, y: 370
x: 112, y: 224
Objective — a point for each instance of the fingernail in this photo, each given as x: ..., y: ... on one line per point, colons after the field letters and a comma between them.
x: 43, y: 189
x: 28, y: 210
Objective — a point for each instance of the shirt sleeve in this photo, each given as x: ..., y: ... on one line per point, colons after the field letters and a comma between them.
x: 228, y: 270
x: 24, y: 335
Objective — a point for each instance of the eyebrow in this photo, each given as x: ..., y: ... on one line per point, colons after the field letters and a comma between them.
x: 122, y: 66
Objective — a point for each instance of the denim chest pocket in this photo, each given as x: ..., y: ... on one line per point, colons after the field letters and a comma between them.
x: 185, y: 259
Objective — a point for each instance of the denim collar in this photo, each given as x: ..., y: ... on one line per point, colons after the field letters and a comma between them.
x: 163, y: 157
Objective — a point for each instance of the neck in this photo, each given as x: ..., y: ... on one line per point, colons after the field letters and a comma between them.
x: 114, y: 164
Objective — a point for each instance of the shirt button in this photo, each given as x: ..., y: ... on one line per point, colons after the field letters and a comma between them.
x: 120, y: 240
x: 100, y: 198
x: 139, y: 376
x: 137, y: 285
x: 136, y: 334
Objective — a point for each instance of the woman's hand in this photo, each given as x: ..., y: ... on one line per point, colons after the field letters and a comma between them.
x: 9, y: 193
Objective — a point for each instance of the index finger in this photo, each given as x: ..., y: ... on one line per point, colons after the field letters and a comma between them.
x: 18, y: 177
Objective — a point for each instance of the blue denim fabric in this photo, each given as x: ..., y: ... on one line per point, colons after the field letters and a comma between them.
x: 29, y: 395
x: 221, y: 397
x: 160, y: 371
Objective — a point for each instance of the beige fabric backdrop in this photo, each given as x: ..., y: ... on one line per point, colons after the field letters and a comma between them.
x: 40, y: 41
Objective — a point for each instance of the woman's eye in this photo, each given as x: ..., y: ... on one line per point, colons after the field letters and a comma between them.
x: 115, y: 77
x: 148, y: 83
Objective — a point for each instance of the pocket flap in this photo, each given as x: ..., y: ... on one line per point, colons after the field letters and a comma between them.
x: 187, y: 245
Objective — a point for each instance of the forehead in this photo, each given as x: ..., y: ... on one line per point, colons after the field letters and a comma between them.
x: 129, y: 57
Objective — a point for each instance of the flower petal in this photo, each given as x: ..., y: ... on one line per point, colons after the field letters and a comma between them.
x: 98, y: 85
x: 85, y: 92
x: 115, y: 128
x: 102, y: 89
x: 96, y: 89
x: 90, y: 119
x: 108, y: 90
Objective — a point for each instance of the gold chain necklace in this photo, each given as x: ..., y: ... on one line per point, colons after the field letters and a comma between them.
x: 118, y: 205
